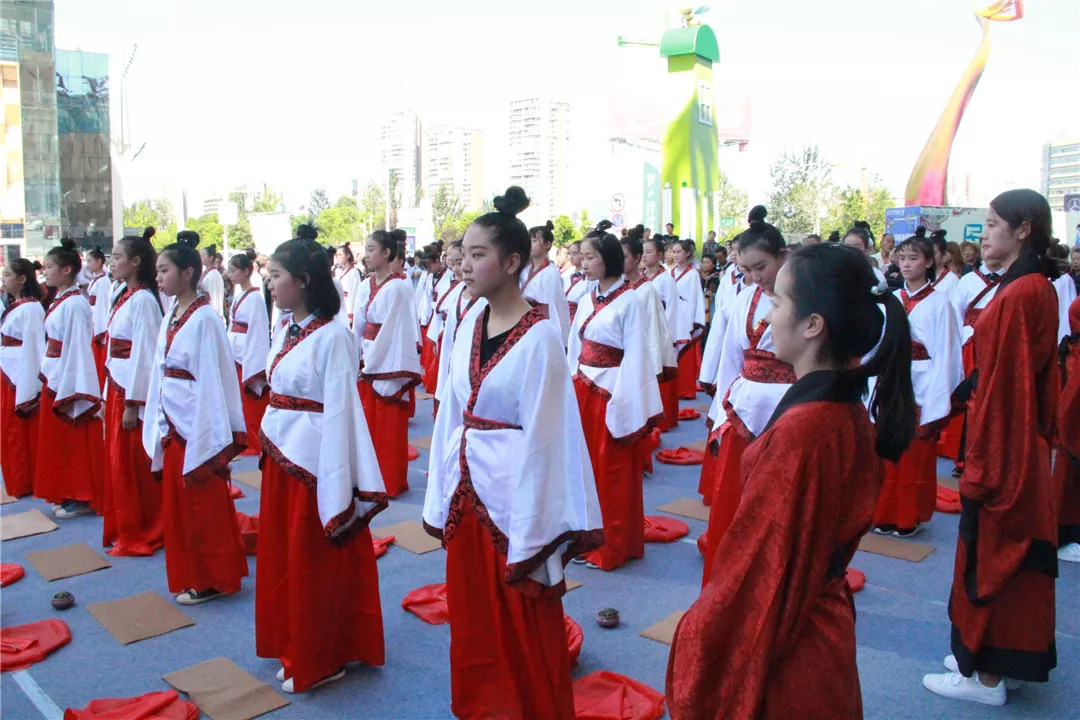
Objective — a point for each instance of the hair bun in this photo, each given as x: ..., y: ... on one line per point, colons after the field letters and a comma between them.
x: 920, y: 231
x: 188, y: 237
x: 758, y: 213
x: 939, y: 233
x: 67, y: 243
x: 149, y: 232
x: 306, y: 232
x: 604, y: 225
x: 399, y: 235
x: 512, y: 202
x: 549, y: 225
x: 37, y: 265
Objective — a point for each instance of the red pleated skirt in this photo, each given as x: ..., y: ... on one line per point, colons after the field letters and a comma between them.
x: 508, y: 652
x: 617, y: 468
x: 431, y: 370
x: 427, y: 355
x: 727, y: 492
x: 909, y: 494
x: 254, y: 408
x: 316, y: 604
x: 388, y: 423
x: 1067, y: 482
x: 133, y: 518
x: 669, y: 395
x: 707, y: 478
x: 100, y: 348
x: 18, y: 443
x: 203, y: 548
x: 69, y: 462
x: 689, y: 369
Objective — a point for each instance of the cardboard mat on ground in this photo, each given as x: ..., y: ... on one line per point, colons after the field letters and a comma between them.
x: 139, y: 617
x: 67, y: 561
x: 409, y: 535
x: 951, y: 483
x: 664, y: 630
x: 225, y: 691
x: 25, y: 524
x: 687, y: 507
x: 252, y: 478
x: 4, y: 497
x: 895, y: 548
x: 424, y: 442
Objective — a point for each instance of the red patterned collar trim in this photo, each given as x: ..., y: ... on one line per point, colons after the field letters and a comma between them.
x: 682, y: 274
x: 533, y: 273
x: 453, y: 284
x: 754, y: 333
x: 178, y: 322
x: 910, y: 301
x: 650, y: 278
x: 477, y: 374
x: 640, y: 281
x: 294, y: 340
x: 599, y: 305
x: 124, y: 297
x: 17, y: 303
x: 376, y: 287
x: 69, y: 293
x: 236, y: 303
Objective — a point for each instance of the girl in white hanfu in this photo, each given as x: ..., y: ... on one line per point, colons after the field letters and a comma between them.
x: 386, y: 336
x: 510, y: 488
x: 690, y: 318
x: 731, y: 284
x: 541, y: 281
x: 460, y: 305
x: 211, y: 284
x: 194, y: 425
x: 574, y: 283
x: 350, y: 278
x: 618, y: 396
x: 22, y: 349
x: 133, y: 519
x: 442, y: 289
x: 73, y: 478
x: 317, y: 599
x: 98, y: 291
x: 652, y: 256
x: 249, y: 338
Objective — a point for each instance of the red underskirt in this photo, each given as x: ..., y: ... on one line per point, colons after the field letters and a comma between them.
x: 727, y: 492
x: 388, y: 423
x: 909, y: 494
x: 132, y: 508
x: 689, y: 369
x: 254, y: 409
x: 70, y: 462
x: 18, y: 443
x: 669, y: 395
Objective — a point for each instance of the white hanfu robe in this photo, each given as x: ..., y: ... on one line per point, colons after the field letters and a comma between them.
x: 213, y: 285
x: 22, y: 351
x: 343, y: 314
x: 313, y: 395
x: 509, y: 433
x: 936, y: 363
x: 731, y: 285
x: 544, y: 285
x: 1066, y: 293
x: 98, y: 295
x: 249, y: 339
x: 438, y: 316
x: 68, y: 366
x: 659, y: 344
x: 690, y: 317
x: 350, y: 283
x: 384, y: 326
x: 973, y: 293
x: 947, y: 284
x: 669, y: 298
x: 134, y: 327
x: 458, y: 311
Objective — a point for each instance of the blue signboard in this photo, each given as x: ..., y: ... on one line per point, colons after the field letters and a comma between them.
x: 902, y: 221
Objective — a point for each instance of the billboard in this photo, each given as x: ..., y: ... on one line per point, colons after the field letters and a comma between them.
x: 960, y: 224
x: 12, y: 195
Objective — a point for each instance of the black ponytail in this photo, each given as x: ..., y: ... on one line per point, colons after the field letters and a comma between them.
x: 21, y: 267
x: 508, y: 234
x: 146, y: 271
x: 761, y: 234
x: 66, y: 256
x: 183, y: 255
x: 610, y: 250
x: 545, y: 232
x: 302, y: 257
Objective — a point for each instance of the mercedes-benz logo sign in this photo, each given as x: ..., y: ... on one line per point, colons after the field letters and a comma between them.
x: 1072, y: 204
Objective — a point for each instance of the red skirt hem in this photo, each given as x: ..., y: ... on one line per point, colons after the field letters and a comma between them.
x: 77, y: 473
x: 18, y: 443
x: 388, y: 423
x: 909, y: 494
x: 727, y: 492
x: 132, y: 506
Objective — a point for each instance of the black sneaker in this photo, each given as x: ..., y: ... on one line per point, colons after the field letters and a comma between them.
x: 198, y: 597
x: 885, y: 529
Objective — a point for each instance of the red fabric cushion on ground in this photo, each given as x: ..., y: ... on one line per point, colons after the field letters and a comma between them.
x: 162, y: 705
x: 702, y: 541
x: 413, y: 453
x: 10, y: 572
x: 948, y: 500
x: 249, y: 531
x: 574, y: 638
x: 664, y: 529
x: 604, y: 695
x: 24, y: 645
x: 235, y: 492
x: 855, y: 579
x: 681, y: 456
x: 428, y: 603
x: 689, y: 414
x: 381, y: 545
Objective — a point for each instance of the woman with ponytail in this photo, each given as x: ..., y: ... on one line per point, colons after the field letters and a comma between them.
x: 211, y: 283
x: 133, y: 519
x: 22, y: 350
x: 510, y: 488
x: 773, y: 633
x: 441, y: 319
x: 652, y: 257
x: 98, y: 292
x: 1002, y: 600
x: 249, y: 338
x: 349, y: 276
x: 689, y: 318
x: 541, y: 281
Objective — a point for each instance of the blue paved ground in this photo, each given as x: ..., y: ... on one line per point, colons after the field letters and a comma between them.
x: 902, y: 626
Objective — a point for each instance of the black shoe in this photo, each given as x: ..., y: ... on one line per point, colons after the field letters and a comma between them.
x: 885, y: 529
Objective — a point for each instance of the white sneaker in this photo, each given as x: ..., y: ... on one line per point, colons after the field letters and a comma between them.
x: 1010, y: 684
x: 956, y: 686
x: 281, y: 674
x: 1069, y: 553
x: 287, y: 686
x: 72, y: 509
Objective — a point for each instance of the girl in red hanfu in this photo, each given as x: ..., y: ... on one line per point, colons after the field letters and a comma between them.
x: 1067, y: 464
x: 443, y: 290
x: 652, y: 256
x: 909, y: 494
x: 460, y: 305
x: 350, y: 278
x: 385, y: 330
x: 249, y: 338
x: 194, y: 425
x: 750, y: 382
x: 212, y: 284
x: 510, y: 488
x: 1002, y: 600
x: 317, y: 598
x: 574, y: 284
x: 689, y: 319
x: 540, y: 280
x: 133, y: 513
x: 773, y: 633
x: 618, y: 396
x: 70, y: 418
x: 22, y: 350
x: 98, y: 292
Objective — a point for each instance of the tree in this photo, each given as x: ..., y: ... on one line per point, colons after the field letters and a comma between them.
x: 209, y: 229
x: 340, y: 224
x: 317, y: 203
x: 800, y: 188
x: 373, y: 203
x: 585, y: 227
x: 565, y: 233
x: 446, y: 208
x: 852, y: 203
x: 731, y: 202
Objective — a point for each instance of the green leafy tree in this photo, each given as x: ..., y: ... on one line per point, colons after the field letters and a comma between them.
x: 585, y: 226
x: 732, y: 202
x: 209, y: 229
x: 446, y: 208
x: 564, y: 232
x: 341, y: 223
x: 858, y: 203
x: 800, y: 189
x: 317, y: 203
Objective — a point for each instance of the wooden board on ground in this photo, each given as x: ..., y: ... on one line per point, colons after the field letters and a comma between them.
x: 4, y: 497
x: 424, y: 396
x: 664, y: 630
x: 703, y: 408
x: 225, y: 691
x: 67, y: 561
x: 572, y: 584
x: 895, y: 548
x: 424, y: 442
x: 252, y: 478
x: 949, y: 482
x: 25, y: 524
x: 687, y: 507
x: 139, y: 617
x: 409, y: 535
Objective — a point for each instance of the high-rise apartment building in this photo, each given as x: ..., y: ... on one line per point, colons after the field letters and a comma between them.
x: 454, y: 157
x: 540, y: 153
x: 399, y: 152
x: 1061, y: 171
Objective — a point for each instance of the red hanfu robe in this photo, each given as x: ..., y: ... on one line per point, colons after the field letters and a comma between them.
x: 385, y: 329
x: 22, y: 350
x: 133, y: 515
x: 317, y: 597
x: 619, y: 401
x: 773, y: 633
x: 544, y: 285
x: 70, y: 417
x: 249, y: 338
x: 1067, y: 465
x: 193, y: 427
x: 1002, y: 601
x: 511, y: 493
x: 689, y: 325
x: 97, y: 294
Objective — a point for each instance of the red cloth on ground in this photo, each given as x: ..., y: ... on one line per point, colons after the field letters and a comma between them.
x: 855, y: 579
x: 701, y: 542
x: 689, y: 414
x: 948, y: 500
x: 101, y: 353
x: 689, y: 369
x: 23, y: 645
x: 161, y: 705
x: 707, y: 477
x: 254, y: 408
x: 235, y: 492
x: 132, y: 506
x: 605, y: 695
x: 428, y: 603
x: 909, y: 494
x: 574, y: 638
x: 727, y: 492
x: 76, y: 473
x: 317, y: 604
x: 669, y: 396
x: 381, y: 545
x: 10, y: 573
x: 681, y: 456
x: 388, y: 423
x: 413, y: 453
x: 508, y: 653
x: 659, y: 528
x: 249, y: 532
x: 18, y: 443
x: 202, y: 535
x: 948, y: 445
x: 617, y: 470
